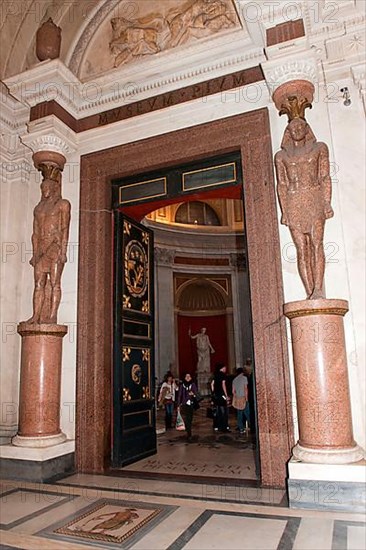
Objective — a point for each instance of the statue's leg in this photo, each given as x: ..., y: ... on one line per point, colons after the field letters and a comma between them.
x: 40, y: 279
x: 301, y: 242
x: 318, y: 259
x: 55, y: 279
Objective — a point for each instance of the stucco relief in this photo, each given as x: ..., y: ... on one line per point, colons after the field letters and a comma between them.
x: 134, y: 38
x: 146, y: 28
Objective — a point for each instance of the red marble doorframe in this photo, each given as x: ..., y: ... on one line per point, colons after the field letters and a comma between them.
x: 249, y: 133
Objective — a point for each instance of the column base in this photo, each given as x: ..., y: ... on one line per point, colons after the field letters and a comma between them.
x: 39, y: 442
x: 7, y: 433
x: 327, y: 486
x: 328, y: 456
x: 38, y: 465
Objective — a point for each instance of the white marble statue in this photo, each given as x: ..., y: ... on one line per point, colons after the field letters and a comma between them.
x: 204, y: 348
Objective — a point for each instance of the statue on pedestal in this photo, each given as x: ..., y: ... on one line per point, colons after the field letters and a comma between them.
x: 204, y: 348
x: 49, y: 241
x: 304, y: 191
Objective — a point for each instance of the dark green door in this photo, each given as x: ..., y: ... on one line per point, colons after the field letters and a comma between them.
x: 134, y: 435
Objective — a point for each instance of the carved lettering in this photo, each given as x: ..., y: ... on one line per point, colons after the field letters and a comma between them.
x: 103, y: 119
x: 247, y: 76
x: 222, y: 83
x: 152, y: 102
x: 167, y: 100
x: 197, y: 91
x: 239, y: 79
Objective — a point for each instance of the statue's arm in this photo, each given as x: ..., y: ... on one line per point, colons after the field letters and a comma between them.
x: 65, y: 225
x: 325, y: 179
x: 210, y: 346
x: 35, y: 255
x: 282, y: 185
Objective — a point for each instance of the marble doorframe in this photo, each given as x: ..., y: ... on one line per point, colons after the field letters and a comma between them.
x: 248, y: 133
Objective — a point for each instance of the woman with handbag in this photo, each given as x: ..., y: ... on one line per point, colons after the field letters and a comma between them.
x: 186, y: 402
x: 167, y: 398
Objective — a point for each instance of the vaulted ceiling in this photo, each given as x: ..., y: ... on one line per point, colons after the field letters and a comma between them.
x: 93, y: 44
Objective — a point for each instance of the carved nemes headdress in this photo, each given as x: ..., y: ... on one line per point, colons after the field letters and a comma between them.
x: 294, y: 107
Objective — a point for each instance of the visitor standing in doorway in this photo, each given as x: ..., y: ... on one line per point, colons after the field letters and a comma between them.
x: 249, y: 409
x: 240, y: 398
x: 220, y: 398
x: 167, y: 398
x: 186, y: 397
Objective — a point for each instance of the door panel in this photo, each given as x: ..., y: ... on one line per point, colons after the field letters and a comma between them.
x: 134, y: 435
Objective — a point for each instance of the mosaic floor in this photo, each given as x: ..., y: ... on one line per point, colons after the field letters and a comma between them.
x: 92, y: 512
x: 234, y: 454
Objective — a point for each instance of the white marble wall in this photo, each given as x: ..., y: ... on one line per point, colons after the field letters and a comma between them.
x: 15, y: 218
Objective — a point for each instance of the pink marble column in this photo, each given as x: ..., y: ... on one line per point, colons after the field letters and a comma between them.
x: 321, y: 379
x: 40, y: 385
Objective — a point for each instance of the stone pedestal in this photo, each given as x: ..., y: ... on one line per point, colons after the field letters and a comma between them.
x: 321, y: 379
x: 203, y: 382
x: 40, y: 385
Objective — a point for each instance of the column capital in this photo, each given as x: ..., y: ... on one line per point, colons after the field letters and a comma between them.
x: 298, y: 71
x: 51, y: 135
x: 164, y: 256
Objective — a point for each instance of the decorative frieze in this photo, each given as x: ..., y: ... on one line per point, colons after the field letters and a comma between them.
x: 50, y: 135
x: 300, y: 67
x: 164, y: 256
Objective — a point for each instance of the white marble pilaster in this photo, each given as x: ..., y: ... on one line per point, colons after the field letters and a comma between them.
x: 164, y: 304
x: 15, y: 179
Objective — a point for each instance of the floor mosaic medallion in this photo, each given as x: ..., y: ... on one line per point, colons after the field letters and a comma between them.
x: 112, y: 522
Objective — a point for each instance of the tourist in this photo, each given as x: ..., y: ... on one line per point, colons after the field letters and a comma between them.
x: 220, y: 398
x: 167, y: 398
x: 240, y: 398
x: 186, y: 402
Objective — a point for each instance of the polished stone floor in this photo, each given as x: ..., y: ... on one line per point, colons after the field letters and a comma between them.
x: 228, y: 456
x: 85, y: 511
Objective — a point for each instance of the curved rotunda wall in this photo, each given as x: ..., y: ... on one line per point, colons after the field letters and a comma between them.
x: 200, y: 275
x: 201, y: 295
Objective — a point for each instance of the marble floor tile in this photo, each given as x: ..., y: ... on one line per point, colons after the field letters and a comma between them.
x: 314, y: 534
x: 84, y: 507
x: 166, y: 533
x: 36, y: 523
x: 23, y: 503
x: 356, y: 538
x: 25, y: 542
x: 237, y: 533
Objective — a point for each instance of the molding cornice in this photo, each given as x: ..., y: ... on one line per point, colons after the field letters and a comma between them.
x: 359, y: 78
x: 52, y: 80
x: 301, y: 66
x: 50, y: 134
x: 164, y: 256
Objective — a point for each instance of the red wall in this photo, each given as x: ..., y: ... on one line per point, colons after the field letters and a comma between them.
x: 216, y: 330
